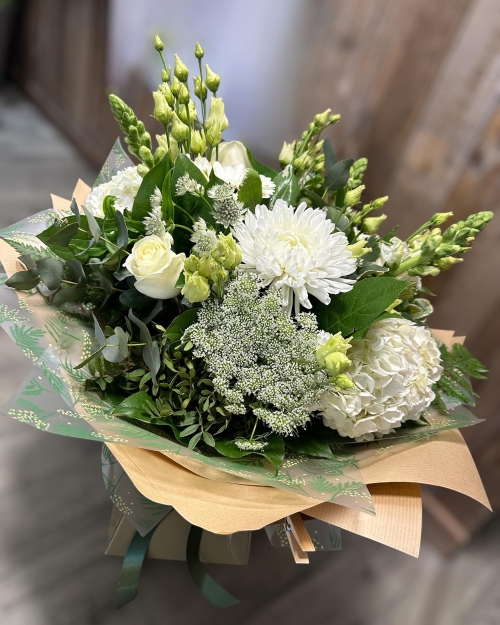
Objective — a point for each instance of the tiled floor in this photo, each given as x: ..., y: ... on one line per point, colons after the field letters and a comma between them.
x: 54, y: 510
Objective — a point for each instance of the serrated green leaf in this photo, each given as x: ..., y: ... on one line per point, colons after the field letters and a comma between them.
x: 357, y: 309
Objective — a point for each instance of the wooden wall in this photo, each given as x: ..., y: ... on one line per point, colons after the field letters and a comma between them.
x: 418, y: 86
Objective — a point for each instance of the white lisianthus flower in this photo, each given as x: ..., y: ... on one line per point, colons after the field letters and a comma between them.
x: 203, y: 165
x: 297, y: 250
x: 233, y: 153
x: 393, y: 252
x: 155, y: 266
x: 232, y: 174
x: 393, y: 368
x: 124, y: 186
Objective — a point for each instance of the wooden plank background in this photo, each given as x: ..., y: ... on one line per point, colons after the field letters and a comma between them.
x: 418, y: 85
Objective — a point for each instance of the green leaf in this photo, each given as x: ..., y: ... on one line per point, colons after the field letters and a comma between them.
x: 167, y: 204
x: 250, y: 192
x: 24, y: 280
x: 178, y: 326
x: 99, y: 334
x: 94, y: 227
x: 71, y: 294
x: 122, y: 238
x: 135, y: 407
x: 184, y: 165
x: 75, y: 210
x: 274, y: 451
x: 51, y: 272
x: 260, y: 168
x: 338, y: 175
x: 287, y: 187
x: 108, y: 207
x: 151, y: 351
x: 311, y: 443
x: 337, y: 218
x: 154, y: 178
x: 133, y: 299
x: 318, y: 201
x: 112, y: 351
x: 91, y: 357
x: 330, y: 156
x: 357, y: 309
x: 61, y: 236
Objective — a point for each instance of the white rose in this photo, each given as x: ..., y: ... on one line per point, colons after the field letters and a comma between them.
x: 155, y: 266
x: 232, y: 153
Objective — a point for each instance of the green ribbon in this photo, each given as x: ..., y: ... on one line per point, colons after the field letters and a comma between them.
x: 210, y: 589
x: 131, y: 570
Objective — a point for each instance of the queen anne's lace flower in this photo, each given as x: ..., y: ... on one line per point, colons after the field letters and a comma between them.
x: 393, y: 368
x: 298, y: 251
x: 123, y: 186
x: 260, y: 360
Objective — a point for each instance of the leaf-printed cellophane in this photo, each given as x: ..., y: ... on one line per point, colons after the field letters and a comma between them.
x: 52, y: 398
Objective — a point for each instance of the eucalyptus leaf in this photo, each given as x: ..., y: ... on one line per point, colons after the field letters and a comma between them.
x: 105, y: 280
x: 250, y: 192
x: 112, y: 351
x: 94, y: 227
x: 330, y: 156
x: 122, y: 341
x: 339, y: 220
x: 62, y: 237
x: 133, y: 299
x: 357, y: 309
x: 71, y: 294
x: 24, y: 280
x: 318, y: 201
x: 338, y: 175
x: 27, y: 261
x: 151, y: 355
x: 99, y: 334
x: 122, y: 238
x: 75, y: 210
x: 176, y: 329
x: 51, y: 272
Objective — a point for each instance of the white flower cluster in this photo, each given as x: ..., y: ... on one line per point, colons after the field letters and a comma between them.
x: 250, y: 445
x: 256, y: 354
x: 154, y: 223
x: 297, y: 250
x: 227, y: 210
x: 393, y: 368
x: 123, y: 186
x: 204, y: 238
x: 186, y: 184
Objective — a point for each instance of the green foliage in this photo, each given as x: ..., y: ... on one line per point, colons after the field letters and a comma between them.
x: 338, y: 175
x: 287, y: 187
x: 360, y: 307
x: 261, y: 168
x: 274, y: 451
x: 154, y: 178
x: 250, y: 192
x: 458, y: 365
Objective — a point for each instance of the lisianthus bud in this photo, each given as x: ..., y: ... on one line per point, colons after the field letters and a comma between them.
x: 226, y: 252
x: 208, y: 268
x: 214, y: 134
x: 198, y: 51
x: 440, y: 218
x: 165, y: 76
x: 159, y: 154
x: 336, y: 343
x: 180, y: 70
x: 353, y: 196
x: 167, y: 93
x: 175, y: 86
x: 303, y: 162
x: 212, y: 80
x: 146, y: 156
x: 216, y: 114
x: 336, y: 363
x: 379, y: 202
x: 158, y: 44
x: 343, y: 382
x: 174, y: 147
x: 198, y: 142
x: 430, y: 245
x: 162, y: 111
x: 334, y: 118
x: 192, y: 264
x: 359, y: 248
x: 183, y: 96
x: 196, y: 288
x: 448, y: 262
x: 180, y: 132
x: 321, y: 119
x: 200, y: 88
x: 371, y: 224
x: 286, y: 154
x: 142, y: 169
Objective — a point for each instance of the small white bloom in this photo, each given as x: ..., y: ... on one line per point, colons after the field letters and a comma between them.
x: 156, y: 198
x: 155, y: 266
x: 123, y: 186
x: 232, y: 175
x: 250, y: 445
x: 154, y: 223
x: 298, y: 251
x: 203, y: 165
x: 204, y: 238
x: 394, y: 368
x: 233, y: 153
x: 393, y: 252
x: 185, y: 184
x: 268, y: 186
x: 227, y: 209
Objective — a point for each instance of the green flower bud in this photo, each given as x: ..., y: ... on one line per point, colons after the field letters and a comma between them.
x: 359, y: 248
x: 214, y: 134
x: 219, y: 275
x: 200, y: 88
x: 353, y: 196
x: 180, y: 132
x: 192, y: 264
x: 424, y: 270
x: 321, y: 119
x: 447, y: 249
x: 335, y: 344
x: 379, y: 202
x: 208, y: 268
x: 303, y: 162
x: 198, y: 142
x: 175, y: 86
x: 216, y: 114
x: 336, y: 363
x: 448, y: 262
x: 334, y: 118
x: 286, y: 155
x: 343, y: 382
x: 142, y: 169
x: 226, y: 252
x: 180, y: 70
x: 167, y: 93
x: 162, y: 111
x: 196, y: 288
x: 212, y: 80
x: 430, y: 245
x: 165, y: 76
x: 184, y: 96
x: 440, y: 218
x: 371, y: 224
x: 146, y: 156
x: 174, y: 147
x: 158, y: 44
x: 480, y: 220
x: 159, y: 154
x: 198, y: 51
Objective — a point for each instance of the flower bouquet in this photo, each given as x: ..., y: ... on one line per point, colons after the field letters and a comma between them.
x: 250, y: 349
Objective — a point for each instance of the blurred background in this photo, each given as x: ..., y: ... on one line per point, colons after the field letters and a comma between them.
x: 418, y: 85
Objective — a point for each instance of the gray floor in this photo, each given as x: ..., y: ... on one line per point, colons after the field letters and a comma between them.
x: 54, y: 510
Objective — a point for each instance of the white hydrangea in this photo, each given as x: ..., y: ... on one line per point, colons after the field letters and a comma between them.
x: 123, y: 185
x: 297, y: 250
x: 394, y: 368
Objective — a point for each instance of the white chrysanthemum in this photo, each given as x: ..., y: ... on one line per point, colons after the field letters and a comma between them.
x: 268, y: 186
x: 298, y: 251
x: 393, y: 368
x: 124, y: 186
